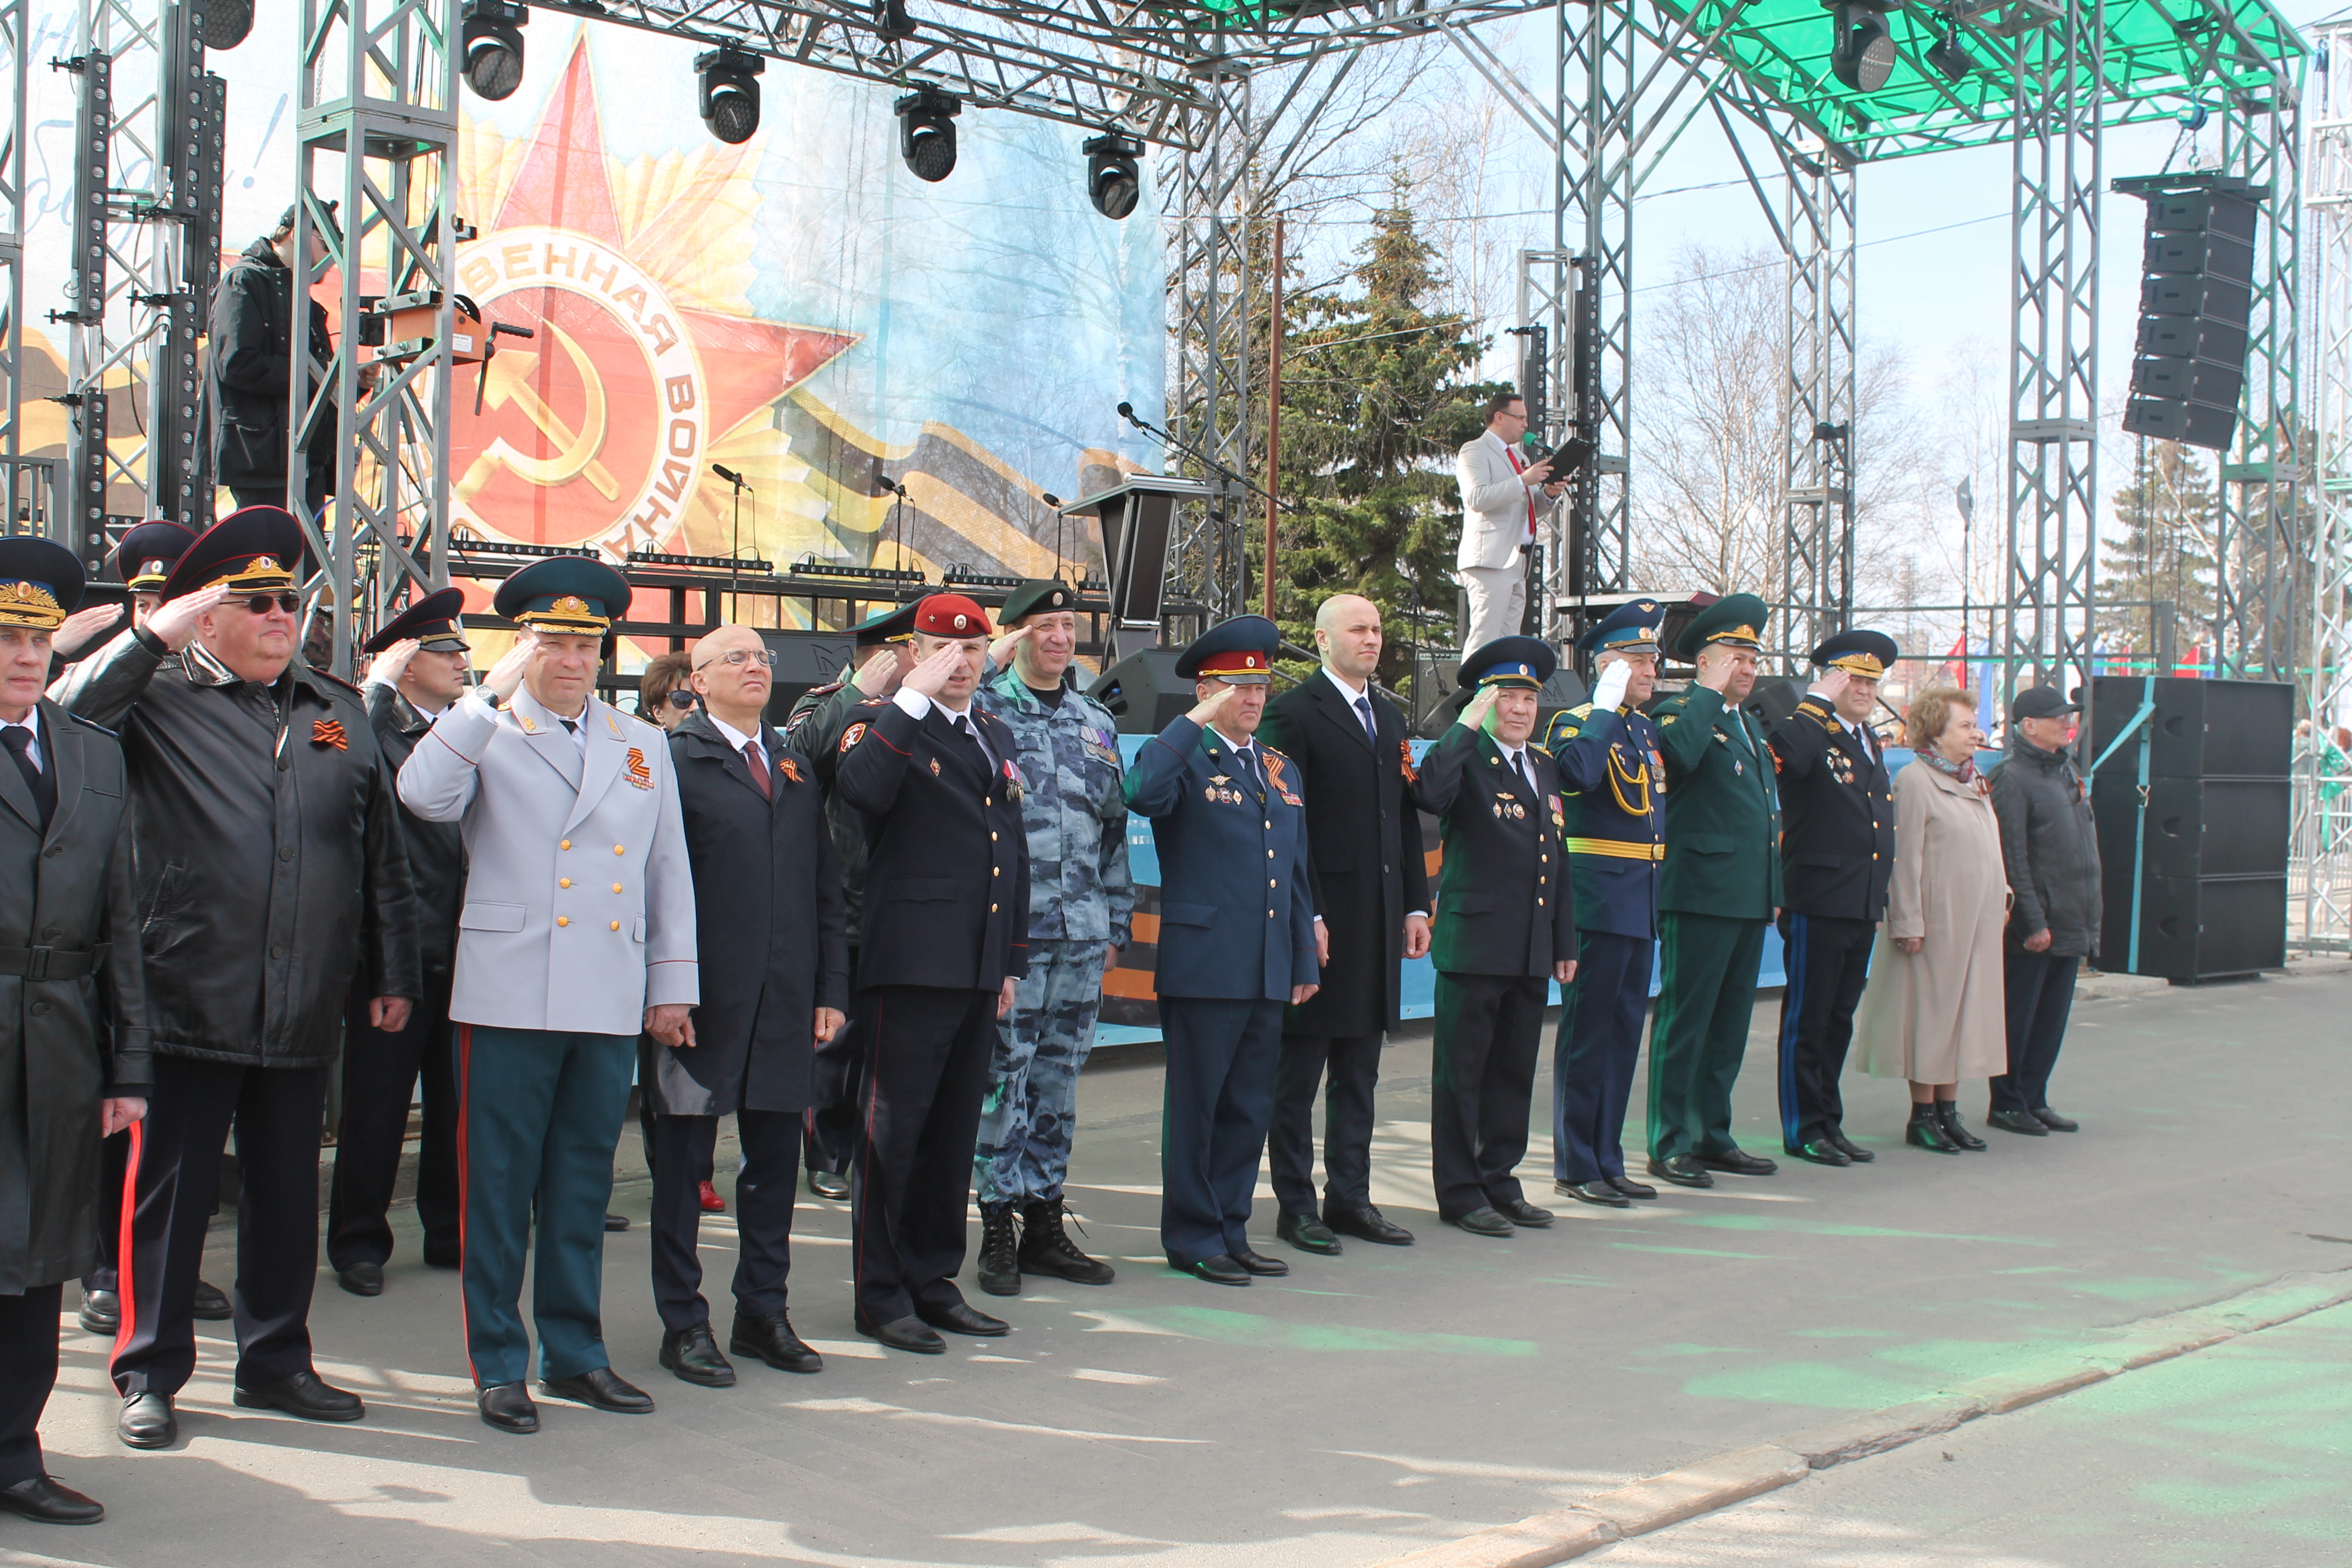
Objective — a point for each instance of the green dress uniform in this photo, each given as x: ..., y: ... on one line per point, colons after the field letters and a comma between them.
x: 1720, y: 887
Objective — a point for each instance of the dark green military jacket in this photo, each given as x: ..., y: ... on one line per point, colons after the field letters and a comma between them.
x: 1723, y: 810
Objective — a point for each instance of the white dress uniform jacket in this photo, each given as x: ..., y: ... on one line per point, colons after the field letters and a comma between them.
x: 1494, y: 506
x: 579, y: 910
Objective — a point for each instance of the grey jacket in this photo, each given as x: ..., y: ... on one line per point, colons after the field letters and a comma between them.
x: 2049, y: 847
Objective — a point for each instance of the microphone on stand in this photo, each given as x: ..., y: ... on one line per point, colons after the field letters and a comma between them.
x: 893, y: 486
x: 731, y: 476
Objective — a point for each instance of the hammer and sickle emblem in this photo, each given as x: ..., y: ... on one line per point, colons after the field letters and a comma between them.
x: 575, y: 453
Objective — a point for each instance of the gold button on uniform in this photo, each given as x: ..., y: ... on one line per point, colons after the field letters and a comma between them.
x: 564, y: 881
x: 1272, y: 883
x: 616, y: 887
x: 1538, y: 903
x: 618, y: 850
x: 992, y: 837
x: 565, y: 845
x: 992, y: 909
x: 1269, y: 854
x: 563, y: 919
x: 617, y: 925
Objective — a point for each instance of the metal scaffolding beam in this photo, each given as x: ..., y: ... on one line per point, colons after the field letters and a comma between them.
x: 1816, y: 432
x: 28, y: 498
x: 2053, y: 457
x: 2321, y: 879
x: 1212, y: 228
x: 377, y: 122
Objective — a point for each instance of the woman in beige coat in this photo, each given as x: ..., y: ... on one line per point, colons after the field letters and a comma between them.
x: 1934, y: 1012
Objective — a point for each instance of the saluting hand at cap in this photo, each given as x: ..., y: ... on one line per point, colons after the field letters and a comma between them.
x: 174, y: 622
x: 506, y: 676
x: 931, y: 675
x: 390, y: 665
x: 1210, y: 710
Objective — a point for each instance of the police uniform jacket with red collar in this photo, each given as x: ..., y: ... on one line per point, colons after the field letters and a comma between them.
x: 947, y: 872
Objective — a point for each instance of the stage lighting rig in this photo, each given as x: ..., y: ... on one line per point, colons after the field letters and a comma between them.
x: 1949, y: 57
x: 1114, y: 181
x: 1864, y: 55
x: 224, y: 24
x: 731, y: 92
x: 926, y: 134
x: 494, y: 46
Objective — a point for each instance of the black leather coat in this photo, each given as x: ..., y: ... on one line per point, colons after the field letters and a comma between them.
x: 272, y: 877
x: 436, y: 850
x: 73, y: 1024
x: 250, y: 368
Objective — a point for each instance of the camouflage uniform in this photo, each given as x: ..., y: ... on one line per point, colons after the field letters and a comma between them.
x: 1079, y: 902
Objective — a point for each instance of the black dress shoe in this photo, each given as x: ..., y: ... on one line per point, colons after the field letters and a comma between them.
x: 1485, y: 1221
x: 1926, y: 1130
x: 44, y: 1502
x: 905, y: 1334
x: 2019, y: 1121
x: 508, y: 1407
x: 1307, y: 1233
x: 1600, y: 1193
x: 1631, y: 1188
x: 1948, y: 1112
x: 1739, y: 1162
x: 301, y: 1395
x: 1521, y: 1212
x: 829, y: 1184
x: 1218, y: 1270
x: 1367, y: 1224
x: 691, y: 1355
x: 2055, y: 1123
x: 211, y: 1304
x: 447, y: 1257
x: 147, y: 1421
x: 962, y: 1318
x: 101, y: 1313
x: 1850, y: 1149
x: 602, y: 1388
x: 1256, y: 1262
x: 1822, y: 1151
x: 362, y: 1279
x: 1682, y: 1169
x: 616, y: 1222
x: 771, y: 1340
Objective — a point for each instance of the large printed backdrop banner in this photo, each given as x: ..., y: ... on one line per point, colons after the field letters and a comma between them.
x: 800, y: 309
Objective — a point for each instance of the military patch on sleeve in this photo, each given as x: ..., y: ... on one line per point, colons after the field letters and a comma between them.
x: 852, y: 735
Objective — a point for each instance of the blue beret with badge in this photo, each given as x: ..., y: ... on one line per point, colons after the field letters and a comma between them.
x: 1865, y: 655
x: 1628, y: 628
x: 40, y: 582
x: 1521, y: 662
x: 570, y: 596
x: 1239, y: 652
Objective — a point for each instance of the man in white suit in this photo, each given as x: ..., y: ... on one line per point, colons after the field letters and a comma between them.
x: 1501, y: 507
x: 577, y: 929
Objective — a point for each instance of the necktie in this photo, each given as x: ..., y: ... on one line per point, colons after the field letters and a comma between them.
x: 1249, y: 767
x: 757, y: 756
x: 19, y: 740
x: 1520, y: 766
x: 570, y: 726
x: 1364, y: 712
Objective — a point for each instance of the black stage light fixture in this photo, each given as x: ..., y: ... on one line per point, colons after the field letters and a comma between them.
x: 927, y: 135
x: 494, y: 46
x: 891, y: 21
x: 1864, y: 55
x: 1947, y: 55
x: 731, y: 92
x: 224, y: 24
x: 1113, y: 179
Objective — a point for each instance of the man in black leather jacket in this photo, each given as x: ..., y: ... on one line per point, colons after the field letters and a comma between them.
x: 272, y: 878
x: 420, y: 667
x: 250, y: 370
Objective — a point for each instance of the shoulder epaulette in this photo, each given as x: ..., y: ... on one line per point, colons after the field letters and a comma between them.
x: 1274, y: 751
x: 1544, y: 751
x: 331, y: 679
x: 1582, y: 711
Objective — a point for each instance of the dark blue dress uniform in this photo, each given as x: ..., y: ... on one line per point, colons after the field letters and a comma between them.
x: 1837, y: 860
x: 1504, y: 920
x: 946, y: 921
x: 1236, y: 933
x: 1616, y: 792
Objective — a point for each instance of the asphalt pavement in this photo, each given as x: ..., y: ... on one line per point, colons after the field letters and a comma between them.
x: 1392, y: 1399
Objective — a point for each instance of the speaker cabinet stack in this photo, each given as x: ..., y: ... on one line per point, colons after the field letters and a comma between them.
x: 2207, y: 851
x: 2196, y: 297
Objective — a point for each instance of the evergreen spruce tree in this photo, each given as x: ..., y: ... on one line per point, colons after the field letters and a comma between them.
x: 2167, y: 516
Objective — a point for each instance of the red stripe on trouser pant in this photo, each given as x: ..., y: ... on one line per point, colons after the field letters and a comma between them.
x: 126, y: 1294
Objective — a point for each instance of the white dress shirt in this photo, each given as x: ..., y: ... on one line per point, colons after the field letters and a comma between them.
x: 30, y: 723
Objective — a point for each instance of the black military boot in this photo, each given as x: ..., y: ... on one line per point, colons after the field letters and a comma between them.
x: 1000, y: 1261
x: 1044, y: 1249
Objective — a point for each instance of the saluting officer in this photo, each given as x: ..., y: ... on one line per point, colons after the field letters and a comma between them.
x: 1505, y: 930
x: 1608, y: 755
x: 1721, y: 887
x: 947, y: 930
x: 1837, y: 860
x: 1224, y: 810
x: 73, y: 1019
x: 421, y: 664
x: 884, y: 652
x: 1080, y: 902
x: 576, y: 932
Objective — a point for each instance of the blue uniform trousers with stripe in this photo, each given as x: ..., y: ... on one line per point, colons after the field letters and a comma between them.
x: 540, y: 1112
x: 1827, y: 959
x: 1600, y: 1040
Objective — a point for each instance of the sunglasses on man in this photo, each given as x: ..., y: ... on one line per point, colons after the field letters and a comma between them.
x: 262, y: 604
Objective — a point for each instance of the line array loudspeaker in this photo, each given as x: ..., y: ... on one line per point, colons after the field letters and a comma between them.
x: 2188, y: 373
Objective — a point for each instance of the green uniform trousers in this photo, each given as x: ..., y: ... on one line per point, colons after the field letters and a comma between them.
x: 1706, y: 998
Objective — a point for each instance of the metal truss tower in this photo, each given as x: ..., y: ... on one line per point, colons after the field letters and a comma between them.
x: 2262, y: 574
x: 2053, y: 470
x: 2321, y: 884
x: 377, y: 119
x: 1818, y: 434
x: 28, y: 501
x: 1210, y: 270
